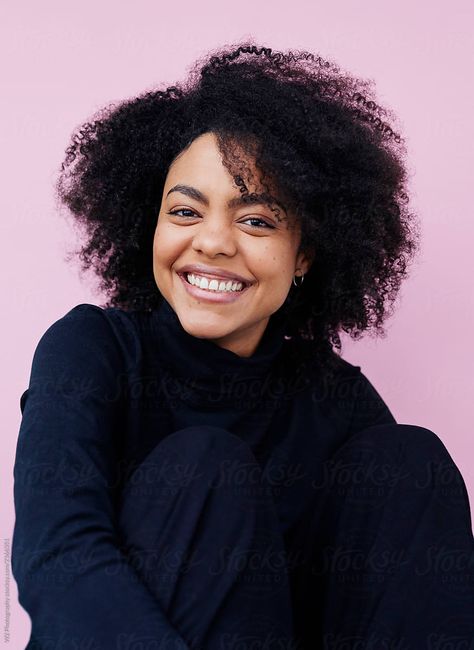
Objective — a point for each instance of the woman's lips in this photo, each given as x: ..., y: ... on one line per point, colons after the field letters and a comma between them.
x: 209, y: 295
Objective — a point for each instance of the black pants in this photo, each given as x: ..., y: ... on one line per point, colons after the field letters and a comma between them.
x: 383, y: 556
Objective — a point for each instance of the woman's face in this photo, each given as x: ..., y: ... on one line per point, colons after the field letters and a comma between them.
x: 225, y: 239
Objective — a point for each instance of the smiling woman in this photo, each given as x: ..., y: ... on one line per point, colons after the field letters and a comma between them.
x: 216, y: 242
x: 197, y: 466
x: 323, y: 155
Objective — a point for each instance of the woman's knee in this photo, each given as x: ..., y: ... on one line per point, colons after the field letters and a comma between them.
x: 205, y: 443
x: 399, y: 439
x: 192, y: 454
x: 404, y: 454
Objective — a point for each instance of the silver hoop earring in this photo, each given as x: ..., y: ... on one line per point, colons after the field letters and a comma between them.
x: 300, y: 283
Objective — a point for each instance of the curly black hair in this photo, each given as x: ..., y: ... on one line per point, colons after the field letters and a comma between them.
x: 314, y: 131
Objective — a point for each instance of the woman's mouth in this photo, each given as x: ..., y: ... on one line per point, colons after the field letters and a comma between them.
x: 213, y: 289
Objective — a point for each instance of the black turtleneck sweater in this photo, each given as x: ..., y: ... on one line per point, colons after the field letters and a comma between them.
x: 106, y: 386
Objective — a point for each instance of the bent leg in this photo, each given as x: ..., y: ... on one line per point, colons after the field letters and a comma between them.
x: 205, y: 539
x: 389, y: 557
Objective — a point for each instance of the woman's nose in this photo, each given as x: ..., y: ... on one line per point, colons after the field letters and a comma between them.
x: 213, y: 236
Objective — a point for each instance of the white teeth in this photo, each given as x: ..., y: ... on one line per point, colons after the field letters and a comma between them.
x: 213, y: 284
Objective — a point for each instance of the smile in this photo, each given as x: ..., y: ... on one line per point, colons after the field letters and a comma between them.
x: 213, y: 284
x: 212, y: 292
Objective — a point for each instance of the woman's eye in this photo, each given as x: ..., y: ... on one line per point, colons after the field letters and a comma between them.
x: 182, y: 210
x: 261, y: 222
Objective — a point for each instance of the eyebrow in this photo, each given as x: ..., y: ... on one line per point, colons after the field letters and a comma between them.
x: 254, y: 199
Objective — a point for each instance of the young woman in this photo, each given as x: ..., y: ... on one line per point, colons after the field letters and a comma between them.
x: 197, y: 466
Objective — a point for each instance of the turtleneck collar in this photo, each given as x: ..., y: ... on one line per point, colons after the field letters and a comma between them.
x: 207, y: 373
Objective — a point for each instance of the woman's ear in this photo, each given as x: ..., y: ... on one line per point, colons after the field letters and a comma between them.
x: 305, y: 260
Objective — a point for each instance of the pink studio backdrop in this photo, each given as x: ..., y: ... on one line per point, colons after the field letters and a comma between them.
x: 62, y: 62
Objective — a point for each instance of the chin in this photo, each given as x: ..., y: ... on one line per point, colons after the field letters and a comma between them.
x: 203, y: 330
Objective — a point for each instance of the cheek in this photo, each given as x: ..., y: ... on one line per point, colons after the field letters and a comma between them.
x: 156, y: 236
x: 157, y: 249
x: 277, y: 263
x: 163, y: 245
x: 268, y: 258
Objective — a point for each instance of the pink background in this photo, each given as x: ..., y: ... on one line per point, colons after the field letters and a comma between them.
x: 62, y: 61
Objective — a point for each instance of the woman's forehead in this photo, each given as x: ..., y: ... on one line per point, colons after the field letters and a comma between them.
x: 245, y: 183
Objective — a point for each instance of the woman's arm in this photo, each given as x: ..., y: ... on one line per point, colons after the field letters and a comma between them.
x: 72, y: 579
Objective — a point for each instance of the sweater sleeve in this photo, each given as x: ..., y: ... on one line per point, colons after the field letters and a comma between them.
x: 72, y: 578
